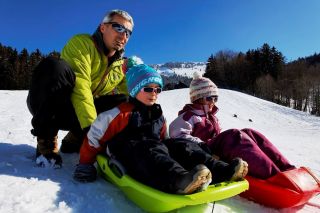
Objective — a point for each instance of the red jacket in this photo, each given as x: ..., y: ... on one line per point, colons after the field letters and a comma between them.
x: 104, y: 128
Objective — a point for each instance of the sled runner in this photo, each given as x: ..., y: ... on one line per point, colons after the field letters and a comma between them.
x: 286, y: 189
x: 153, y: 200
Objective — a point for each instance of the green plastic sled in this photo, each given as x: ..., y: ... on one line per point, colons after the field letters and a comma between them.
x: 153, y: 200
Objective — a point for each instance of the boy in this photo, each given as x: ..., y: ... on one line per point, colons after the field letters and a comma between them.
x: 135, y: 133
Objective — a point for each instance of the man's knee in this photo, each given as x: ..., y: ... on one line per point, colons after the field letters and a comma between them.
x: 52, y: 72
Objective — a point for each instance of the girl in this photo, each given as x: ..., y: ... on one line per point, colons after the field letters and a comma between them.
x: 198, y: 122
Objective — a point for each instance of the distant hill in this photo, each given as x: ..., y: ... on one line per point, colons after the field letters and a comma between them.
x: 177, y: 75
x: 185, y: 69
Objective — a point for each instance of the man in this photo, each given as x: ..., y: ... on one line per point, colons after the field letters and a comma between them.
x: 68, y: 93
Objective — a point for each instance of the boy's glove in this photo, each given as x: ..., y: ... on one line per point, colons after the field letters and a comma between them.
x: 85, y: 173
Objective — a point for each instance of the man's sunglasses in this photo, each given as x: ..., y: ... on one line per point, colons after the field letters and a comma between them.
x: 120, y: 28
x: 212, y: 98
x: 151, y: 89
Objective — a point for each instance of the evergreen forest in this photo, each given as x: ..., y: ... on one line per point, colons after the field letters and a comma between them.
x: 261, y: 72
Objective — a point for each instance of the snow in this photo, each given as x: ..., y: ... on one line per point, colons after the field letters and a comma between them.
x: 188, y: 71
x: 27, y: 188
x: 184, y: 70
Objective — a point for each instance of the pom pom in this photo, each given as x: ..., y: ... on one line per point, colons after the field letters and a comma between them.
x: 133, y: 61
x: 197, y: 75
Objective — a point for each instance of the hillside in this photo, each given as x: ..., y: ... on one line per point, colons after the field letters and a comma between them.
x: 27, y: 188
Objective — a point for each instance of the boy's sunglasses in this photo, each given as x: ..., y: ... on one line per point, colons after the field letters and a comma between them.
x: 212, y: 98
x: 120, y: 28
x: 151, y: 89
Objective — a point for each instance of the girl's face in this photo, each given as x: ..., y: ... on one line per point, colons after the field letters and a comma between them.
x: 210, y: 101
x: 148, y: 95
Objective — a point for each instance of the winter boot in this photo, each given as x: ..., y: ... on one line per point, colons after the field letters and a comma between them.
x: 47, y: 152
x: 221, y: 171
x: 71, y: 143
x: 193, y: 181
x: 240, y: 168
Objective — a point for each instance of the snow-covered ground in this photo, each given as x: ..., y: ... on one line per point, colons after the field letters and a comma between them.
x: 27, y: 188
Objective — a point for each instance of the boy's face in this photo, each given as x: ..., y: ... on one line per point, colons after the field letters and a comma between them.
x: 148, y: 98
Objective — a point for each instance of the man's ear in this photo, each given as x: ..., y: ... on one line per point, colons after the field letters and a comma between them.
x: 102, y: 27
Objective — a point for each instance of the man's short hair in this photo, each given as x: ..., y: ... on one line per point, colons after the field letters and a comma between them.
x: 108, y: 17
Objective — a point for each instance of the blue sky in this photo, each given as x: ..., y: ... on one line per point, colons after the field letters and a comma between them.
x: 169, y: 30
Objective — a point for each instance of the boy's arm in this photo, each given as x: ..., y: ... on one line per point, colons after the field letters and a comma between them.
x: 100, y: 131
x: 88, y: 153
x: 104, y: 128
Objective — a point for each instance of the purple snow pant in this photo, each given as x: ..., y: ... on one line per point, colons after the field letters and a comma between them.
x: 263, y: 158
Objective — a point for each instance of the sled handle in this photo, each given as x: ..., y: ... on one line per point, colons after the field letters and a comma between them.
x: 312, y: 174
x: 116, y: 167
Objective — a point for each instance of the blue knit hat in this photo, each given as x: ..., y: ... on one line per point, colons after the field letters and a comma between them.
x: 141, y: 75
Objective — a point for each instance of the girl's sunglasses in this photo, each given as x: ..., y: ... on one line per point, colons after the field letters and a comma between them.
x: 120, y: 28
x: 151, y: 89
x: 212, y: 98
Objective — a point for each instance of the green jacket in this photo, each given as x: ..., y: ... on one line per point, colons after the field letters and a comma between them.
x: 90, y: 66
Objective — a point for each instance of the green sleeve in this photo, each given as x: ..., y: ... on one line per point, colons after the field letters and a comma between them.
x: 78, y: 53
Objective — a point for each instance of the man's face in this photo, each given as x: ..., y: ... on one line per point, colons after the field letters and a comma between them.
x: 113, y: 39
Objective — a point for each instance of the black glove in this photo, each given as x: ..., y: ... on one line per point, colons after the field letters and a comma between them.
x: 85, y: 173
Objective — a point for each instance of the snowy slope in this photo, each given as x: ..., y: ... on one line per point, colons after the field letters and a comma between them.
x: 26, y: 188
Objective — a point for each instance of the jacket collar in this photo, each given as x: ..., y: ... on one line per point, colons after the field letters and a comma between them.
x: 139, y: 106
x: 98, y: 40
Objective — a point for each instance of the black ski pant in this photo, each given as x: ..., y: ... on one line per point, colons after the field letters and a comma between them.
x: 159, y: 163
x: 49, y: 99
x: 189, y: 154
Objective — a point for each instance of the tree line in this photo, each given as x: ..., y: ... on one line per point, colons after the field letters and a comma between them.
x: 264, y: 73
x: 16, y: 68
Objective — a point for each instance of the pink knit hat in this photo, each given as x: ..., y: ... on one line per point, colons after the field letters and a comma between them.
x: 201, y: 87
